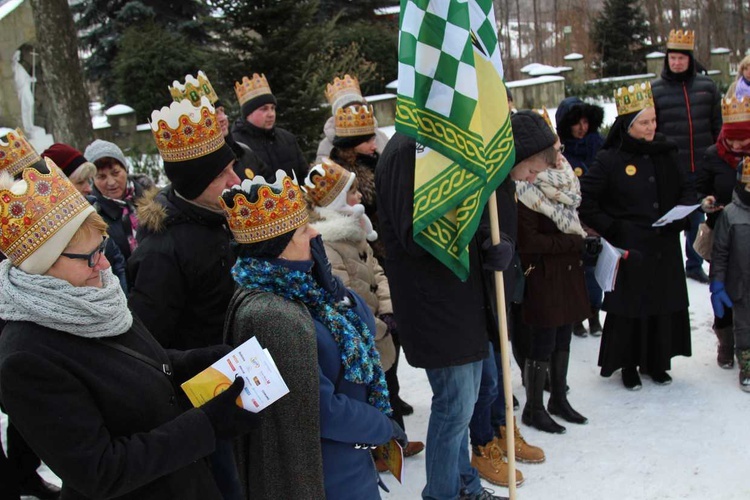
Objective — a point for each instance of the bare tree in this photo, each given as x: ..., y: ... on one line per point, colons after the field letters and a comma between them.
x: 58, y: 46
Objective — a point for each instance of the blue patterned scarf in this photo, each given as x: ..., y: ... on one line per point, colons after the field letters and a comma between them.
x: 356, y: 343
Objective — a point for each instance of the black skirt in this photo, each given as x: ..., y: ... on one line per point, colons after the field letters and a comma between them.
x: 649, y: 342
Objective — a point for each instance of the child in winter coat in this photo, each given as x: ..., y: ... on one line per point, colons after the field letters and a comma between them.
x: 340, y: 218
x: 730, y: 268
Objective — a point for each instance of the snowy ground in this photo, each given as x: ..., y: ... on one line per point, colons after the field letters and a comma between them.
x: 686, y: 440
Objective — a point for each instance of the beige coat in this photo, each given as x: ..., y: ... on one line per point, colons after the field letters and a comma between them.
x: 352, y: 260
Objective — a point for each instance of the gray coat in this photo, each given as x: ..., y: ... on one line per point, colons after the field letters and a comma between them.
x: 729, y: 262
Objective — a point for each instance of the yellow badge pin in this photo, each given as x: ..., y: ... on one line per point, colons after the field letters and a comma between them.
x: 630, y: 170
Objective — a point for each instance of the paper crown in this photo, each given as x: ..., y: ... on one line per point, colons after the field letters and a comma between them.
x: 184, y: 132
x: 277, y: 209
x: 681, y: 40
x: 734, y: 110
x: 343, y: 91
x: 17, y: 153
x: 37, y: 210
x: 354, y: 121
x: 547, y: 119
x: 634, y: 98
x: 251, y: 88
x: 326, y: 181
x: 193, y: 89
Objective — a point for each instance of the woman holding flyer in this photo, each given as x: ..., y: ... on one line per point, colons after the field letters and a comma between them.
x: 314, y: 442
x: 82, y: 379
x: 632, y: 183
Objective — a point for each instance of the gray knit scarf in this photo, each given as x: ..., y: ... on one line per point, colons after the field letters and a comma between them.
x: 84, y: 311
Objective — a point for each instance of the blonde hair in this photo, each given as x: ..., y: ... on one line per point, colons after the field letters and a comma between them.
x: 93, y: 224
x: 744, y: 63
x: 85, y: 172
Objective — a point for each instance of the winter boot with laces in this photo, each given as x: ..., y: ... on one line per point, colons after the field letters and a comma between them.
x: 488, y: 461
x: 743, y: 358
x: 525, y: 452
x: 725, y: 349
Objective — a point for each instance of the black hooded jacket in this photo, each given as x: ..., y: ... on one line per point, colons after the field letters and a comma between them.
x: 277, y: 148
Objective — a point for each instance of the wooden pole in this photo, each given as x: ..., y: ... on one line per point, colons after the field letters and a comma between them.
x: 504, y: 354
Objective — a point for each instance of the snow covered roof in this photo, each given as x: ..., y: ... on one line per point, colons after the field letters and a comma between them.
x: 8, y: 6
x: 380, y: 97
x: 99, y: 122
x: 384, y: 11
x: 714, y: 71
x: 655, y: 55
x: 720, y: 50
x: 393, y: 85
x: 119, y: 109
x: 536, y: 69
x: 628, y: 78
x: 538, y: 80
x: 575, y: 56
x: 141, y: 127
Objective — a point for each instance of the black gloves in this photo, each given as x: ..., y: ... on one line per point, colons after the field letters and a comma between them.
x: 321, y: 270
x: 187, y: 364
x: 498, y: 257
x: 228, y: 419
x: 389, y: 321
x: 399, y: 435
x: 592, y: 247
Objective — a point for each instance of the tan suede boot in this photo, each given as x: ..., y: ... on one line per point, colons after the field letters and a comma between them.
x: 488, y: 460
x: 525, y: 452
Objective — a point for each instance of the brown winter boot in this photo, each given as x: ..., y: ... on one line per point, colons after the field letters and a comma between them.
x: 725, y: 350
x: 743, y: 357
x: 488, y: 461
x: 525, y: 452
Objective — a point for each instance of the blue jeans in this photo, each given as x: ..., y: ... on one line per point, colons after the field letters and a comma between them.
x: 489, y: 410
x: 454, y: 392
x: 694, y: 261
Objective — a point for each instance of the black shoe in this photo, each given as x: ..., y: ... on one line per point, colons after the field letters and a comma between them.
x: 38, y: 487
x: 698, y: 275
x: 661, y: 378
x: 595, y: 327
x: 406, y: 408
x: 579, y: 330
x: 630, y: 379
x: 485, y: 494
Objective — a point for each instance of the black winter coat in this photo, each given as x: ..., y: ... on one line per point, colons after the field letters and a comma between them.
x: 626, y: 190
x: 109, y: 425
x: 180, y: 274
x: 688, y: 113
x: 442, y: 321
x: 119, y: 229
x: 248, y: 164
x: 717, y: 178
x: 277, y: 148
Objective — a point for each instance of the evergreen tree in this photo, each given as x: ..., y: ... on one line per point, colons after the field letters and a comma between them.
x: 352, y: 10
x: 620, y: 35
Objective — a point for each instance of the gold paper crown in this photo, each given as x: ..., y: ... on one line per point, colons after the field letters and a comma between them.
x: 634, y: 98
x: 193, y: 89
x: 185, y: 132
x: 547, y: 119
x: 17, y: 154
x: 29, y: 218
x: 326, y: 181
x: 343, y: 91
x: 251, y: 88
x: 745, y: 175
x: 278, y: 209
x: 681, y: 40
x: 355, y: 120
x: 734, y: 110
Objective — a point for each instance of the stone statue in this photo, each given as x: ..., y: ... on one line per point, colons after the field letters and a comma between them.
x: 23, y: 88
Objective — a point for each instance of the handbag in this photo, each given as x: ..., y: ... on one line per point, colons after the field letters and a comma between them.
x: 704, y: 241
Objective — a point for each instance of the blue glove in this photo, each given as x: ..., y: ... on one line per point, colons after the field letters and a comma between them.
x: 321, y: 270
x: 719, y: 298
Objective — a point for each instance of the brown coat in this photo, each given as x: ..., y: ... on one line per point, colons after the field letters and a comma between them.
x: 352, y: 260
x: 555, y: 290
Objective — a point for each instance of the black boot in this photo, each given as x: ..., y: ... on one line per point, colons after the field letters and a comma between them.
x: 579, y: 330
x: 725, y: 351
x: 558, y: 400
x: 534, y: 414
x: 595, y: 327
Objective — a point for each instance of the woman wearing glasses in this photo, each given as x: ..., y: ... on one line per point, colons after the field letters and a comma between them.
x: 86, y: 385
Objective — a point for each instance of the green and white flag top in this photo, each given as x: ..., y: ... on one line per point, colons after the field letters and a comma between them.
x: 452, y: 100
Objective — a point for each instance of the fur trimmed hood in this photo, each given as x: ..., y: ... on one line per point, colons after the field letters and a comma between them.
x: 334, y: 226
x: 152, y: 214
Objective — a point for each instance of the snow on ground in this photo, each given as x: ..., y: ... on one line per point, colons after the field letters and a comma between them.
x: 687, y: 440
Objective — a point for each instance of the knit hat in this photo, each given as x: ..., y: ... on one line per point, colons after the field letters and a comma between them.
x: 17, y: 154
x: 253, y: 93
x: 354, y: 125
x: 328, y: 183
x: 68, y: 158
x: 531, y: 134
x: 264, y: 215
x: 104, y: 149
x: 39, y: 214
x: 191, y: 144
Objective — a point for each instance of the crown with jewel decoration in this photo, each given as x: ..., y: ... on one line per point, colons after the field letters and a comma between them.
x: 38, y: 216
x: 681, y: 40
x: 276, y: 208
x: 17, y: 153
x: 744, y: 171
x: 355, y: 120
x: 326, y: 182
x: 735, y: 110
x: 193, y: 89
x: 184, y: 132
x: 547, y: 119
x: 250, y: 88
x: 343, y: 91
x: 634, y: 98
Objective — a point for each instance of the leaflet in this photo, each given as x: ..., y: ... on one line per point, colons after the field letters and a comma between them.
x: 677, y: 213
x: 607, y: 264
x: 263, y: 382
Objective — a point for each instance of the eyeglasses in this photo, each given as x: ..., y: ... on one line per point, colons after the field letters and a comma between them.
x: 561, y: 149
x: 91, y: 258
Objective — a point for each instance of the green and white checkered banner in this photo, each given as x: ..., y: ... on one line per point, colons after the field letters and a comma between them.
x: 452, y: 100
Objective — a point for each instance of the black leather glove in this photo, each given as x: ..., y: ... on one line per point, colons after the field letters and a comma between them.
x: 592, y: 247
x: 187, y: 364
x: 498, y: 257
x: 321, y: 270
x: 389, y: 321
x: 399, y: 435
x: 228, y: 419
